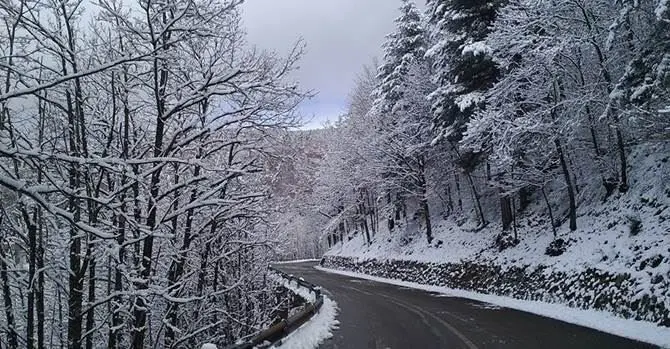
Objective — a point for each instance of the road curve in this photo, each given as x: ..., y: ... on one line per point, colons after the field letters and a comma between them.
x: 379, y: 316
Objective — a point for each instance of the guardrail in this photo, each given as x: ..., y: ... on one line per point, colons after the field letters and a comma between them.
x: 274, y: 335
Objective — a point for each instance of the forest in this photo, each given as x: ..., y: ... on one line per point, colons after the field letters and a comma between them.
x: 481, y: 112
x: 135, y: 139
x: 151, y: 164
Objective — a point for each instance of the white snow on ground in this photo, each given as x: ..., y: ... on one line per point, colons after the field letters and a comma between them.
x: 297, y: 261
x: 303, y: 292
x: 602, y: 321
x: 293, y: 286
x: 316, y: 330
x: 602, y: 240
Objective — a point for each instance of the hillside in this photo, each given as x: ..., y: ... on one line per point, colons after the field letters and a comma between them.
x: 606, y: 237
x: 618, y: 260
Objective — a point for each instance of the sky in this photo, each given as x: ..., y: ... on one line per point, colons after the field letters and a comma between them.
x: 341, y: 36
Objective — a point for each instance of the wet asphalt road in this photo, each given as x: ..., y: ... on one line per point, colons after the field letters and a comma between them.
x: 379, y: 316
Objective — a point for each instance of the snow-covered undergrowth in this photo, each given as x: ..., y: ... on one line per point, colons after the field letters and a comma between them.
x: 618, y: 260
x: 603, y: 321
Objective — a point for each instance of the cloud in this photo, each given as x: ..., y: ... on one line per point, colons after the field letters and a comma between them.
x: 341, y: 36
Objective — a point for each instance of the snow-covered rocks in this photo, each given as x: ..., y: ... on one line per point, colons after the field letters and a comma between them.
x: 629, y: 295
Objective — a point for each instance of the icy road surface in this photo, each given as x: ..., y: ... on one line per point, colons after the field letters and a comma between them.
x: 380, y: 316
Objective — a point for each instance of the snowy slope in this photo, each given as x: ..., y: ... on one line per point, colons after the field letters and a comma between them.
x: 607, y: 260
x: 602, y: 240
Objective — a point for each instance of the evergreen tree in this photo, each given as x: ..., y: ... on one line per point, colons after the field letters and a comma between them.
x: 403, y: 50
x: 643, y: 90
x: 463, y: 69
x: 404, y: 131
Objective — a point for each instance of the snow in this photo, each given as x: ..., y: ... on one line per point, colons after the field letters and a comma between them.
x: 298, y: 261
x: 602, y: 321
x: 661, y: 9
x: 208, y: 346
x: 469, y: 99
x: 303, y: 292
x: 602, y: 240
x: 477, y: 48
x: 318, y: 329
x: 434, y: 50
x: 315, y: 331
x: 459, y: 15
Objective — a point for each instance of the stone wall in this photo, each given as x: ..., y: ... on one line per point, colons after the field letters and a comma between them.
x: 622, y: 294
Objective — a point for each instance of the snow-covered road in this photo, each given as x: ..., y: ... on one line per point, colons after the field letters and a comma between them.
x: 376, y: 315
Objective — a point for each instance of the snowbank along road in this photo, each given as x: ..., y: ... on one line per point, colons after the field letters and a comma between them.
x: 379, y: 316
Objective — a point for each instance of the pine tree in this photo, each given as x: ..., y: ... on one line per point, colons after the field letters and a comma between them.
x: 643, y: 90
x: 403, y: 49
x: 404, y: 130
x: 463, y: 69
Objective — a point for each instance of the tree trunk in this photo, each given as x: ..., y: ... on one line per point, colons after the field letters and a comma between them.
x: 602, y: 60
x: 77, y: 147
x: 457, y: 181
x: 623, y: 184
x: 371, y: 211
x: 37, y: 220
x: 590, y: 118
x: 32, y: 264
x: 425, y: 210
x: 557, y: 96
x: 76, y: 282
x: 40, y: 283
x: 478, y: 203
x: 12, y: 336
x: 390, y: 221
x: 90, y: 315
x: 203, y: 263
x: 524, y: 198
x: 551, y: 212
x: 398, y: 207
x: 568, y: 183
x: 368, y: 239
x: 506, y: 212
x: 426, y: 216
x: 516, y: 233
x: 450, y: 200
x: 75, y: 278
x: 160, y: 79
x: 176, y: 269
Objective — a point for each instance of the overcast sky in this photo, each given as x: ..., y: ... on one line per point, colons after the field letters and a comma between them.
x: 341, y: 36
